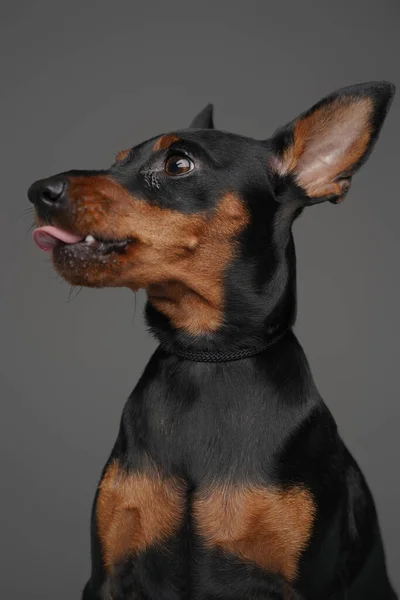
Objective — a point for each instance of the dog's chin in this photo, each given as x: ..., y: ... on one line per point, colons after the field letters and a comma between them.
x: 99, y: 264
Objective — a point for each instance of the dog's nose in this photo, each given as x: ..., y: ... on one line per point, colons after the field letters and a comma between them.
x: 48, y: 192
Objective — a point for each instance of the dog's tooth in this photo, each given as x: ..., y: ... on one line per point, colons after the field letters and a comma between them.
x: 89, y: 239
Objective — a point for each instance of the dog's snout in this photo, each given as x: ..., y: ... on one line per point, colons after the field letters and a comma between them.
x: 48, y: 192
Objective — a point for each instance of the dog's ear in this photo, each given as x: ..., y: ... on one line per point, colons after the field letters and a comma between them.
x: 323, y: 148
x: 204, y: 120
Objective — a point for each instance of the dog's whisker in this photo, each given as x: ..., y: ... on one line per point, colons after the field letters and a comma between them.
x: 26, y: 213
x: 74, y: 292
x: 134, y: 308
x: 30, y: 229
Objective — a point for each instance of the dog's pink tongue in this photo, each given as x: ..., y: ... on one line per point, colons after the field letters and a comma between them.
x: 48, y: 236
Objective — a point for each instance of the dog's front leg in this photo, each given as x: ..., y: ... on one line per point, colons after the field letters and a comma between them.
x: 136, y: 548
x: 219, y: 575
x: 251, y: 538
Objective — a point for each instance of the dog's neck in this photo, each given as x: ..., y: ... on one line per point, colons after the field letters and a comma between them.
x: 259, y: 303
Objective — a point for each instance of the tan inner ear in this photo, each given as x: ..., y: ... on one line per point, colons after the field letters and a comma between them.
x: 328, y: 143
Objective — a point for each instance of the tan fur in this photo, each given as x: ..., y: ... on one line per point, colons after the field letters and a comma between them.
x: 164, y: 142
x: 135, y: 511
x: 326, y: 144
x: 269, y: 527
x: 122, y: 155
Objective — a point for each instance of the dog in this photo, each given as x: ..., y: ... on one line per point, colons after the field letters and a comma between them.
x: 228, y: 479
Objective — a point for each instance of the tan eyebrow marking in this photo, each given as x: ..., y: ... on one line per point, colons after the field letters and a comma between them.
x: 122, y: 155
x: 164, y: 142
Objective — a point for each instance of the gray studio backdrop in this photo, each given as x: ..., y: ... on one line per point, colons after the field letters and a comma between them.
x: 82, y: 80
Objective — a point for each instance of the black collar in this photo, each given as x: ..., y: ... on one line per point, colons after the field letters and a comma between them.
x: 203, y: 356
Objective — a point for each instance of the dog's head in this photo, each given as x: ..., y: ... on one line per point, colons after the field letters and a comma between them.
x: 201, y: 218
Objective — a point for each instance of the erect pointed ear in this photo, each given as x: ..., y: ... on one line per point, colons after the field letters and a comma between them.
x: 204, y: 120
x: 323, y: 148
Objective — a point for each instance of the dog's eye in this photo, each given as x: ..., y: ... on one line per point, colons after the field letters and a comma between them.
x: 178, y: 165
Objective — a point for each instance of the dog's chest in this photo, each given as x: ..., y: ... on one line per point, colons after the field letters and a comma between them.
x: 216, y: 434
x: 213, y: 456
x: 267, y: 526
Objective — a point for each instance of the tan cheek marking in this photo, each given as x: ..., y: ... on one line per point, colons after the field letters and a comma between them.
x: 135, y: 511
x: 323, y: 124
x: 194, y: 299
x: 184, y: 256
x: 122, y: 155
x: 266, y: 526
x: 164, y: 142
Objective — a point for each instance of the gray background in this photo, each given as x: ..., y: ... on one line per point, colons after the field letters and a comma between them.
x: 80, y: 81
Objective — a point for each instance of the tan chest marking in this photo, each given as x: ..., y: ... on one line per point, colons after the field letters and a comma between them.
x: 266, y: 526
x: 135, y: 510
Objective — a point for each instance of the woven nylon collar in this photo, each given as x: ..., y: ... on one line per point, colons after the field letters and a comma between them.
x: 203, y: 356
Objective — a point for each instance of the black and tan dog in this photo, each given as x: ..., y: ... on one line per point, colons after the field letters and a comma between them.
x: 228, y: 479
